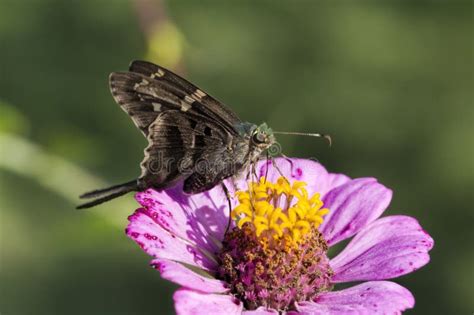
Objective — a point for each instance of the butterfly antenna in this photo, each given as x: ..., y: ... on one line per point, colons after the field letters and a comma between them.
x: 279, y: 170
x: 106, y: 194
x: 307, y: 134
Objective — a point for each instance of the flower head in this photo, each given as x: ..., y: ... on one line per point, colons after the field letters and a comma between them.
x: 274, y: 258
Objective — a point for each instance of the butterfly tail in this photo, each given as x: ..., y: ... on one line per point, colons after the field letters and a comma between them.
x: 106, y: 194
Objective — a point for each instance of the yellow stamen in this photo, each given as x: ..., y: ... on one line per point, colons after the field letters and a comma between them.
x: 243, y: 221
x: 279, y: 212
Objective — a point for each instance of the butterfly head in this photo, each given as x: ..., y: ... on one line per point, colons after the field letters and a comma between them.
x: 262, y: 136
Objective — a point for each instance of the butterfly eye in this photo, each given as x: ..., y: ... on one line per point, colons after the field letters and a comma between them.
x: 259, y: 137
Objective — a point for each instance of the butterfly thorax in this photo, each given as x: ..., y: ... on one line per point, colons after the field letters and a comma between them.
x: 259, y: 138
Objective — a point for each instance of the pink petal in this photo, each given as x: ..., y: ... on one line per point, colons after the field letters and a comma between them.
x: 352, y: 206
x: 293, y: 169
x: 261, y: 311
x: 211, y: 209
x: 201, y: 219
x: 179, y: 274
x: 309, y: 171
x: 188, y: 302
x: 387, y: 248
x: 335, y: 180
x: 376, y: 297
x: 169, y: 213
x: 160, y: 243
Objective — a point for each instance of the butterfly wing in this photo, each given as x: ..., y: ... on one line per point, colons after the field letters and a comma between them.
x: 148, y: 90
x: 190, y: 134
x: 186, y: 145
x: 183, y: 125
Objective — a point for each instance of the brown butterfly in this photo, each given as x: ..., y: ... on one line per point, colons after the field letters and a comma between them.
x: 191, y: 136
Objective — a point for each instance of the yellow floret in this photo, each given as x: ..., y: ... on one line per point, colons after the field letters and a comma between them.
x: 279, y: 211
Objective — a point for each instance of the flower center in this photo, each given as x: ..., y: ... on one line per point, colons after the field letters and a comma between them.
x: 275, y: 256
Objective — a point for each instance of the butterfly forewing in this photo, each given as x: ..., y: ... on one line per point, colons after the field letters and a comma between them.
x: 142, y: 99
x: 205, y: 103
x: 148, y: 90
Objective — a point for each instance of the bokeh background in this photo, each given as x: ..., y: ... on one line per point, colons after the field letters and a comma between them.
x: 391, y: 82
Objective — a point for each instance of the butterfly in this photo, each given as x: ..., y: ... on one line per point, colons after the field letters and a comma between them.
x: 192, y: 137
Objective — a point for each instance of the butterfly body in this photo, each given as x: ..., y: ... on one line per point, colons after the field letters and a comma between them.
x: 191, y: 136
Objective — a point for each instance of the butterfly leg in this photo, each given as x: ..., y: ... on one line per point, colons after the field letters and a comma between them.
x: 233, y: 182
x: 249, y: 172
x: 226, y: 191
x: 266, y: 166
x: 254, y: 171
x: 278, y: 169
x: 289, y: 161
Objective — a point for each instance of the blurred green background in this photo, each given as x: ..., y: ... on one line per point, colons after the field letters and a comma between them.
x: 391, y: 82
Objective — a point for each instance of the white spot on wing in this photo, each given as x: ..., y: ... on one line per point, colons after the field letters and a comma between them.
x: 160, y: 73
x: 188, y: 99
x: 185, y: 106
x: 143, y: 83
x: 199, y: 93
x: 156, y: 107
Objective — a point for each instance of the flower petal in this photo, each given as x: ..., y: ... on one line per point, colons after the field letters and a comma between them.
x: 211, y: 209
x: 335, y: 180
x: 376, y: 297
x: 170, y: 213
x: 352, y: 206
x: 309, y: 171
x: 387, y: 248
x: 188, y: 302
x: 179, y: 274
x: 160, y: 243
x: 201, y: 219
x: 261, y: 311
x: 293, y: 169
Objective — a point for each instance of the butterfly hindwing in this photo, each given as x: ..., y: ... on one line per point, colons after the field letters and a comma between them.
x: 213, y: 167
x: 177, y: 141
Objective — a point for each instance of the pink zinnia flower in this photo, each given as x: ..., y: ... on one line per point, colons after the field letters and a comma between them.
x: 274, y: 257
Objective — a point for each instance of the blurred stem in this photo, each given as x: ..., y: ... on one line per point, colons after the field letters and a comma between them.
x: 22, y: 157
x: 151, y: 15
x: 165, y: 42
